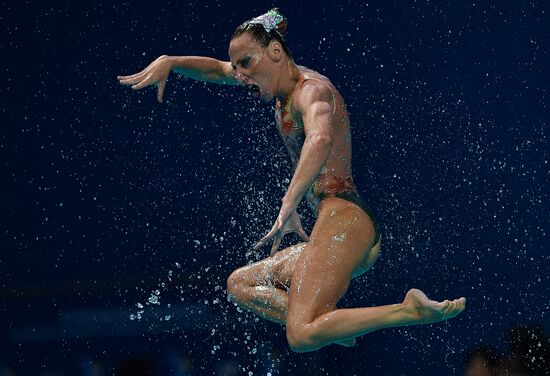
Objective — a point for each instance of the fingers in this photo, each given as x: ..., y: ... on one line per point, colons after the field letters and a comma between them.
x: 161, y: 85
x: 275, y: 246
x: 141, y: 80
x: 264, y: 240
x: 132, y: 75
x: 273, y: 232
x: 303, y: 234
x: 142, y: 84
x: 122, y: 78
x: 133, y: 79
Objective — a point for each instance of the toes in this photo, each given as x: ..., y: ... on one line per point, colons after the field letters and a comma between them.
x: 454, y: 308
x: 460, y: 304
x: 447, y: 310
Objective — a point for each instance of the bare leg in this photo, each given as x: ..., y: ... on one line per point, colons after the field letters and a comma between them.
x: 322, y: 276
x: 269, y: 302
x: 262, y: 287
x: 343, y: 324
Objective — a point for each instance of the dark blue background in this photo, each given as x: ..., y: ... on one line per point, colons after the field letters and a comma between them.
x: 104, y: 190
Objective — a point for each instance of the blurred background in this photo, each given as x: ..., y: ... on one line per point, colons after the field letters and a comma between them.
x: 121, y: 218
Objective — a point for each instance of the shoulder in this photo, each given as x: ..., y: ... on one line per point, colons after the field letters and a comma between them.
x: 314, y: 91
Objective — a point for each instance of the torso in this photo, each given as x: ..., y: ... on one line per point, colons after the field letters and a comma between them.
x: 335, y: 175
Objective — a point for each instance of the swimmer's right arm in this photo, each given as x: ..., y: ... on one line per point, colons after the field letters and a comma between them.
x: 196, y: 67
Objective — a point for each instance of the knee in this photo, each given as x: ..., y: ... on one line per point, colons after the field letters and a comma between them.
x: 299, y: 338
x: 235, y: 284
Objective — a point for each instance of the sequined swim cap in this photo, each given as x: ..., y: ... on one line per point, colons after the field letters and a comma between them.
x: 273, y: 20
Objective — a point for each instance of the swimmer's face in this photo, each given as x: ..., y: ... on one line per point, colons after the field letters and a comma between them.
x: 254, y: 65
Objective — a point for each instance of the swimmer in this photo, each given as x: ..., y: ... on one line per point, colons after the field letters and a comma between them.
x: 301, y: 285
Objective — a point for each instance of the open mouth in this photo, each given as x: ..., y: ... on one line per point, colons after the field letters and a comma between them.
x: 253, y: 89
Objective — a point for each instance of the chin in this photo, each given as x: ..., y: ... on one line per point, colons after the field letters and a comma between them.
x: 268, y: 96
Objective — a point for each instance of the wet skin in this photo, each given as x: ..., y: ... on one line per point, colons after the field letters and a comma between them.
x: 301, y: 285
x: 316, y: 274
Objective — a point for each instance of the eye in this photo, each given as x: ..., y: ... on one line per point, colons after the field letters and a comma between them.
x: 245, y: 62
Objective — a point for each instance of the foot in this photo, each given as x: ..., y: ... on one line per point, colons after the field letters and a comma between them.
x: 425, y: 311
x: 347, y: 342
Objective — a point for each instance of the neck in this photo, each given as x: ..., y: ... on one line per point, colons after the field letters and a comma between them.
x: 288, y: 78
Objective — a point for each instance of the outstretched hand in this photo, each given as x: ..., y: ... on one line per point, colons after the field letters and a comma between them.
x: 155, y: 74
x: 287, y: 221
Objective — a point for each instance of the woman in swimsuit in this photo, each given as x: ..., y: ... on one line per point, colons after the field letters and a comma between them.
x: 300, y: 286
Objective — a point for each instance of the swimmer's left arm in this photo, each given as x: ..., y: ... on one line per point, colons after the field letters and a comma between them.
x: 313, y: 104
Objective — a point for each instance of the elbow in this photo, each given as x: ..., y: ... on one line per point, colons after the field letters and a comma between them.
x: 322, y: 140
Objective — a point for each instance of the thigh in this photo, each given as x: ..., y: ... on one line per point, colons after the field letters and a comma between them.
x: 273, y: 271
x: 339, y: 243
